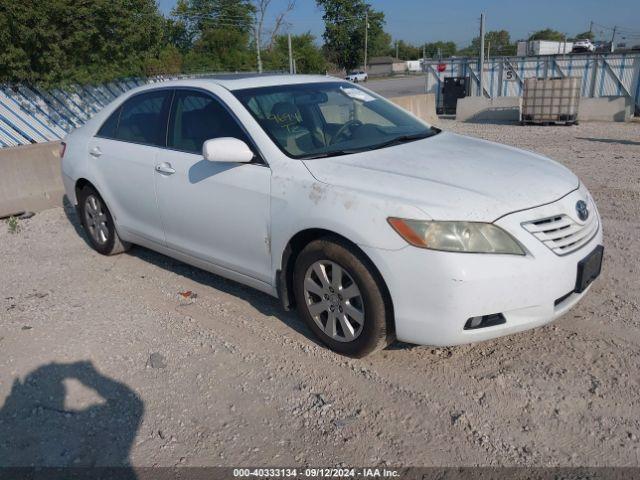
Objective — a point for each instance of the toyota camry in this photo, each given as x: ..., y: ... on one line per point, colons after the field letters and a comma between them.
x: 374, y: 225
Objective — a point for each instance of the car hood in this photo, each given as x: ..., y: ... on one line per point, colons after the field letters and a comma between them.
x: 451, y: 177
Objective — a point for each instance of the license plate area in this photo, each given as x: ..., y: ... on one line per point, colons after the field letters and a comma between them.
x: 589, y: 269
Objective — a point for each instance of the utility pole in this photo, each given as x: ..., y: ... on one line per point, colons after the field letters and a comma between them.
x: 488, y: 51
x: 424, y: 68
x: 591, y: 27
x: 481, y: 69
x: 366, y: 37
x: 396, y: 48
x: 290, y: 54
x: 613, y: 37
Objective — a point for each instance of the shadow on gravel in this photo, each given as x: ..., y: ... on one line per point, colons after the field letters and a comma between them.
x: 72, y: 215
x: 265, y: 304
x: 609, y: 140
x: 38, y: 430
x: 262, y: 302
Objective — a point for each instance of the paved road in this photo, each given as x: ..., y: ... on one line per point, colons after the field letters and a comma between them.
x: 398, y: 87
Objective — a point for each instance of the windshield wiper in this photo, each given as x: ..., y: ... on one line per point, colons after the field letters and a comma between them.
x: 388, y: 143
x: 401, y: 139
x: 333, y: 153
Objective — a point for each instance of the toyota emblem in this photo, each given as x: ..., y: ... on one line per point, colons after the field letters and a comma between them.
x: 582, y: 210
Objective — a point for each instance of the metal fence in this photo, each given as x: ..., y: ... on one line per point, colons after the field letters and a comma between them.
x: 32, y: 115
x: 603, y: 75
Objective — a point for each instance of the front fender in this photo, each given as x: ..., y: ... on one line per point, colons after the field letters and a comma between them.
x: 360, y: 217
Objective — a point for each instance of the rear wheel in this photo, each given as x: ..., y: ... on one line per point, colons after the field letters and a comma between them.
x: 341, y: 299
x: 98, y: 223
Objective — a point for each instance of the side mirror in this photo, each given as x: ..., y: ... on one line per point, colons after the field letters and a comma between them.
x: 227, y: 149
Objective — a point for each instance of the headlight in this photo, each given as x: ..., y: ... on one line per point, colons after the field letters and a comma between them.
x: 470, y: 237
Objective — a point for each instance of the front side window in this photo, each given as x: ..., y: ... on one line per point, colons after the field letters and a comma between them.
x: 143, y: 118
x: 331, y: 118
x: 197, y: 117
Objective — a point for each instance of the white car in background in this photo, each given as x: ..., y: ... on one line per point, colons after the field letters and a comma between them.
x: 357, y: 77
x: 373, y: 224
x: 583, y: 46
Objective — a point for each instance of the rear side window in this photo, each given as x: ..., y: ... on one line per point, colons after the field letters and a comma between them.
x: 109, y: 128
x: 197, y: 117
x: 143, y: 118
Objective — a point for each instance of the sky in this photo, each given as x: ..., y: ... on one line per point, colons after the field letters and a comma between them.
x: 419, y: 21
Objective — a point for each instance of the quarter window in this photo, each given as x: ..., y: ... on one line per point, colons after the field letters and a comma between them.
x: 110, y: 126
x: 144, y: 118
x: 197, y: 117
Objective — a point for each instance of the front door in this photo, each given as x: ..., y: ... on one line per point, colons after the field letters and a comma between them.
x: 216, y: 212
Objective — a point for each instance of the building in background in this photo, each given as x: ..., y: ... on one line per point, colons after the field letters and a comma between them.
x: 379, y: 66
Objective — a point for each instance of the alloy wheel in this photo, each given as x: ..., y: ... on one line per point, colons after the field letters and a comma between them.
x: 96, y: 219
x: 334, y: 301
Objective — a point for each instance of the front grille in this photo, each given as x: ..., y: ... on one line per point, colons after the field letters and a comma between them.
x: 562, y: 234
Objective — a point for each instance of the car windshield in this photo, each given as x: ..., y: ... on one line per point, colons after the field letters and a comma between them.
x: 331, y: 118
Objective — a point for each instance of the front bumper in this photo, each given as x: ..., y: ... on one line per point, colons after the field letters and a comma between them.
x: 435, y: 293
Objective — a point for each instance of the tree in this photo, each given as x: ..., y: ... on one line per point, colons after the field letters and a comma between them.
x: 405, y: 51
x: 309, y: 58
x: 61, y: 41
x: 344, y: 32
x: 496, y: 43
x: 197, y: 16
x: 585, y: 36
x: 446, y: 49
x: 168, y: 62
x: 548, y: 34
x: 261, y: 7
x: 216, y: 34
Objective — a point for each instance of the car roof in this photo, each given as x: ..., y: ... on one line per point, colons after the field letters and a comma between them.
x: 240, y: 81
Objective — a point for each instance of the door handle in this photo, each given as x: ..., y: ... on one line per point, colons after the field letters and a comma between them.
x: 165, y: 168
x: 95, y: 152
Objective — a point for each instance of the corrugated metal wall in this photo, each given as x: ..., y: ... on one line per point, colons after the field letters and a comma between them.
x: 31, y: 115
x: 602, y: 75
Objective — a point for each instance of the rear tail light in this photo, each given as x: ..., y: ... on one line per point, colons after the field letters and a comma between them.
x: 63, y: 148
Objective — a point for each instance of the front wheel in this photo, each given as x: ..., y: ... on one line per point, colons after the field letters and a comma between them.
x: 342, y: 300
x: 98, y: 223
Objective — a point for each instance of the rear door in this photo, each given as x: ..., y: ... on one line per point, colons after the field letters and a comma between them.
x: 123, y: 156
x: 216, y: 212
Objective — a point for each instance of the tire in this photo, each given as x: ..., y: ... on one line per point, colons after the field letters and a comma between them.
x: 98, y: 223
x: 363, y: 321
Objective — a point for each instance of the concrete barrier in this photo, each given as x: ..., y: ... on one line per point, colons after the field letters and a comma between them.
x: 30, y: 178
x: 482, y: 109
x: 507, y: 109
x: 605, y: 109
x: 422, y: 106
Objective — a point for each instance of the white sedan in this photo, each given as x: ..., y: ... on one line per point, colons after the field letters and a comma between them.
x: 373, y: 224
x: 358, y: 76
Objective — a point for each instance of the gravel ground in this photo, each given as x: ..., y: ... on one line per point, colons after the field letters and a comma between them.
x: 103, y: 363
